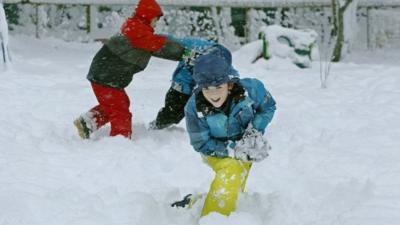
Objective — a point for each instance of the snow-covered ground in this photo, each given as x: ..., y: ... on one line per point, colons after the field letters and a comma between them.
x: 335, y: 157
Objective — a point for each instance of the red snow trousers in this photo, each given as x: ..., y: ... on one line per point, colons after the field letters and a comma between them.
x: 114, y: 108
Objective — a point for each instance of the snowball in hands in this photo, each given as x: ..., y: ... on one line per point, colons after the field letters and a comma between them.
x: 253, y: 147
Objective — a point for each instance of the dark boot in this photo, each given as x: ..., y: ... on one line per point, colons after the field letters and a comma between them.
x: 83, y: 130
x: 188, y: 201
x: 182, y: 203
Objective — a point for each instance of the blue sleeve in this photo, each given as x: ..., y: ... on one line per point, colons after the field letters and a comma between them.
x: 264, y: 103
x: 182, y: 80
x: 190, y: 42
x: 199, y: 133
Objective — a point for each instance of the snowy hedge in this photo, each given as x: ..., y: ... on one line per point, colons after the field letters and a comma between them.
x: 233, y: 27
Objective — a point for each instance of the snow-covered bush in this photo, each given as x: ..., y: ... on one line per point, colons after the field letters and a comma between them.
x: 68, y: 22
x: 181, y: 22
x: 185, y: 22
x: 385, y: 28
x: 300, y: 46
x: 378, y: 27
x: 82, y: 22
x: 204, y: 23
x: 315, y: 18
x: 107, y: 20
x: 256, y: 19
x: 225, y: 30
x: 5, y: 55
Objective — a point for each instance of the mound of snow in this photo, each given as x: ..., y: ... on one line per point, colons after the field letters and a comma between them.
x: 300, y: 46
x: 334, y: 157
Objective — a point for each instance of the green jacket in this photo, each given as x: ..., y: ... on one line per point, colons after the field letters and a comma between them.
x: 117, y: 61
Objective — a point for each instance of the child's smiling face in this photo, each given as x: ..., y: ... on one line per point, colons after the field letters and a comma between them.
x: 216, y: 95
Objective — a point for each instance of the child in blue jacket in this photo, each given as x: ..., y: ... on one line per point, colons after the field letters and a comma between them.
x: 226, y: 118
x: 182, y: 84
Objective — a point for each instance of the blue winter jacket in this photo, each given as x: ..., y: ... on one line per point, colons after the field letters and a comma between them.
x: 210, y: 128
x: 182, y: 79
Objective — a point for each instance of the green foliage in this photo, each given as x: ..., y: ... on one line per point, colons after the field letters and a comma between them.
x: 204, y: 20
x: 12, y: 14
x: 271, y: 14
x: 200, y: 9
x: 239, y: 21
x: 265, y: 53
x: 103, y: 8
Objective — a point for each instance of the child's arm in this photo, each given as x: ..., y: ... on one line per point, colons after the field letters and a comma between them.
x: 199, y: 133
x: 182, y: 48
x: 171, y: 50
x: 264, y: 103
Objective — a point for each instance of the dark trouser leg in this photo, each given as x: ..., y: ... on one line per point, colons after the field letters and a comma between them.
x: 173, y: 110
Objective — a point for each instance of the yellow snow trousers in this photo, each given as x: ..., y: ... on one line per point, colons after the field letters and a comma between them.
x: 230, y: 179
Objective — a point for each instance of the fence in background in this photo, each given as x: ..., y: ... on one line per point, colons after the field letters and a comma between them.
x: 378, y: 20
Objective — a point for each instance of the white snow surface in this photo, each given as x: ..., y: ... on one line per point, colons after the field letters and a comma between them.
x: 335, y: 156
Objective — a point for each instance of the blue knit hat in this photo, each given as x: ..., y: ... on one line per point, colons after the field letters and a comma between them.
x: 213, y: 68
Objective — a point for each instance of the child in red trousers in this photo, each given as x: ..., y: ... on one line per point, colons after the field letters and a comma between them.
x: 114, y: 65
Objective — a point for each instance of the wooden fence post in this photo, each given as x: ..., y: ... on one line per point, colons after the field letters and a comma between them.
x: 88, y: 19
x: 368, y: 29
